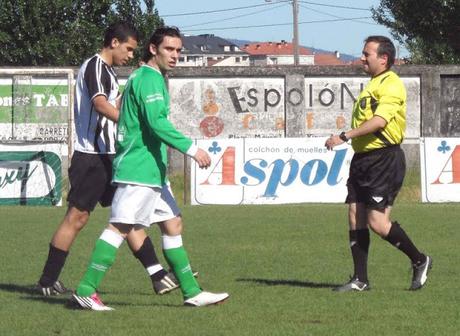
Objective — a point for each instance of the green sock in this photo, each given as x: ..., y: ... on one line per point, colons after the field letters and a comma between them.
x: 101, y: 260
x: 178, y: 260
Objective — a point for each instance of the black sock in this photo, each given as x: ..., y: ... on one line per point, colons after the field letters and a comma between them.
x: 147, y: 256
x: 359, y: 245
x: 398, y: 238
x: 53, y: 266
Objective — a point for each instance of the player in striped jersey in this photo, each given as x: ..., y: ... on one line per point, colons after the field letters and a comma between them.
x: 96, y: 110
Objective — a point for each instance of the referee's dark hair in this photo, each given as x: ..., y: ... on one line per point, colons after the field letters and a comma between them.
x: 157, y: 38
x: 386, y: 47
x: 122, y: 31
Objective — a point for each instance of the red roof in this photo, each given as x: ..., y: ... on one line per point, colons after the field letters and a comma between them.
x: 328, y: 59
x: 274, y: 48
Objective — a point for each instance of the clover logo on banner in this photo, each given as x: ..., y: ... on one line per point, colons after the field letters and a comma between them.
x: 214, y: 149
x: 444, y: 148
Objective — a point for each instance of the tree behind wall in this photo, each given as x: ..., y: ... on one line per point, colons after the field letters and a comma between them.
x: 430, y: 29
x: 65, y: 32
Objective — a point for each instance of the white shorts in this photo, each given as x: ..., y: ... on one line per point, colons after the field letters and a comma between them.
x: 134, y: 204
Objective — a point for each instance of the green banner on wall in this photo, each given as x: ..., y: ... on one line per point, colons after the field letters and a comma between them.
x: 30, y: 178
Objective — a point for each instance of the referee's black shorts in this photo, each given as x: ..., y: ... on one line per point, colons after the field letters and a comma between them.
x: 90, y: 178
x: 376, y: 177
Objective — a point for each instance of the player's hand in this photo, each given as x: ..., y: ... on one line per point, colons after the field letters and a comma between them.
x: 202, y: 158
x: 333, y: 141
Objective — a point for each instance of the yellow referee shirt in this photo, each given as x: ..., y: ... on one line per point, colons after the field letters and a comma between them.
x: 383, y: 96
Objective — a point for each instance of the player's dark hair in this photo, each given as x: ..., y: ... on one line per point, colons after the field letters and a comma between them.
x: 122, y: 31
x: 157, y: 38
x: 386, y: 47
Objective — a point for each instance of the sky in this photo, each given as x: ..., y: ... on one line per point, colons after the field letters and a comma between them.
x: 271, y: 20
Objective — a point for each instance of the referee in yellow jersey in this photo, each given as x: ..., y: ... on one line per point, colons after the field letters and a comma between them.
x: 378, y: 166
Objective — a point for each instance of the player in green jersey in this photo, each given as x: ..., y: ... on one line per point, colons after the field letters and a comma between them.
x: 143, y: 194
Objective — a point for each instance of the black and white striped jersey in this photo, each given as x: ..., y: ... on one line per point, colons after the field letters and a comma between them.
x: 94, y: 132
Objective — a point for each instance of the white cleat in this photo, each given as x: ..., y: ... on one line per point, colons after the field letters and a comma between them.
x: 92, y: 302
x: 206, y: 299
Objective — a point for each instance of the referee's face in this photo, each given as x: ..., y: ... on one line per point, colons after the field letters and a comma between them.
x: 373, y: 64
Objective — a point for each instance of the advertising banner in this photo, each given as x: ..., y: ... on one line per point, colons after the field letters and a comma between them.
x: 31, y: 174
x: 271, y: 171
x: 34, y: 109
x: 440, y: 169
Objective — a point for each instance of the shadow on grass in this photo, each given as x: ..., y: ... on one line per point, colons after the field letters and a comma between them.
x: 294, y: 283
x: 23, y: 289
x: 116, y: 304
x: 32, y: 294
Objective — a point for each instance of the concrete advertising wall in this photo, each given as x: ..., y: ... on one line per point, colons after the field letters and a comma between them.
x: 244, y: 102
x: 231, y: 102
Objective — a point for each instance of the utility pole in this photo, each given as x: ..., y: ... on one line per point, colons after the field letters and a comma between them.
x: 295, y: 33
x: 295, y: 28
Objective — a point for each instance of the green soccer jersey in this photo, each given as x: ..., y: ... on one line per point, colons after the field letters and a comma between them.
x: 383, y: 96
x: 144, y: 131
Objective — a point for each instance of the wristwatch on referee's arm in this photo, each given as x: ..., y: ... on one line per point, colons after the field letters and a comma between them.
x: 343, y: 137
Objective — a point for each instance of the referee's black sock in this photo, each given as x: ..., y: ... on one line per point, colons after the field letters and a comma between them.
x: 359, y: 245
x: 53, y: 266
x: 148, y: 258
x: 398, y: 238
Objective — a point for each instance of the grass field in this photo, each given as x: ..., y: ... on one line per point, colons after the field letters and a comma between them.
x: 278, y: 263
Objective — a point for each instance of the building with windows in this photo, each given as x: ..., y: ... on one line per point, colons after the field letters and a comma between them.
x: 210, y: 50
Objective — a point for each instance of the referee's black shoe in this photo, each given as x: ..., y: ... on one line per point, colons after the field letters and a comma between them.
x: 420, y: 273
x: 354, y: 285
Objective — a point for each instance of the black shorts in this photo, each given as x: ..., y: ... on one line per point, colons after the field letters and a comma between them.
x: 90, y: 178
x: 376, y: 177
